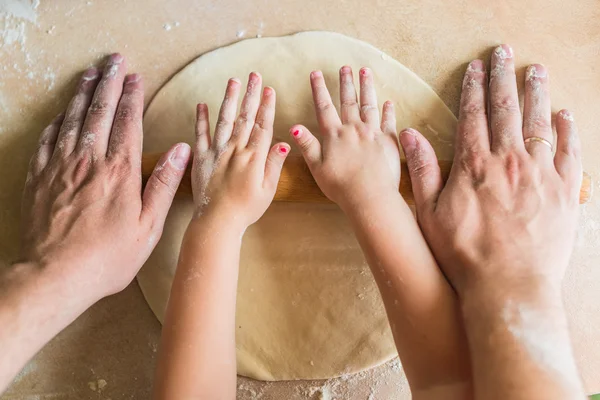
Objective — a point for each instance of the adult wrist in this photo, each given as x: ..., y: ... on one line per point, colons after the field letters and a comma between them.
x: 496, y: 304
x: 47, y: 286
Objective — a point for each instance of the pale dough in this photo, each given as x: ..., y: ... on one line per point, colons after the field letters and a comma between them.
x: 308, y: 307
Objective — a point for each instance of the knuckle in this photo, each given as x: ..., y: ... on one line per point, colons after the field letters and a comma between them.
x: 420, y: 167
x: 125, y: 115
x: 324, y: 105
x: 223, y: 124
x: 70, y: 125
x: 504, y: 104
x: 539, y: 124
x: 472, y: 162
x: 259, y: 127
x: 472, y: 108
x: 306, y: 142
x: 166, y: 179
x: 513, y: 165
x: 99, y: 108
x: 349, y: 103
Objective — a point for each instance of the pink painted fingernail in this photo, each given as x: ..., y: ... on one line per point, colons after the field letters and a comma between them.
x: 346, y: 69
x: 180, y: 156
x: 132, y: 78
x: 296, y: 133
x: 283, y: 150
x: 364, y: 71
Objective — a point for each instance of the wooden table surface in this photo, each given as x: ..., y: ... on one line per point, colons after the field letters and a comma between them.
x: 109, y: 352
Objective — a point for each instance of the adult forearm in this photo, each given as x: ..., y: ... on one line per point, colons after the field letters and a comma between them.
x: 36, y: 303
x: 519, y: 344
x: 197, y: 356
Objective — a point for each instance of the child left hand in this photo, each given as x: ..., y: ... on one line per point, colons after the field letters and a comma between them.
x: 234, y: 173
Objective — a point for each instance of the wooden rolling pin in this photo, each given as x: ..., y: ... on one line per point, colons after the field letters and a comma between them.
x: 297, y: 184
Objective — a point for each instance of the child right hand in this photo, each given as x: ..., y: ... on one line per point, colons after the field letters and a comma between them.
x: 358, y: 159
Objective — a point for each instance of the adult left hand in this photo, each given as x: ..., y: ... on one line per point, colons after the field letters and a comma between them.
x: 84, y: 214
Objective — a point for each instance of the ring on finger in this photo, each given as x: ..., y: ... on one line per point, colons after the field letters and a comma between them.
x: 538, y: 139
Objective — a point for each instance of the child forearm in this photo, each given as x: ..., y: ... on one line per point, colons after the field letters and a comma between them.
x: 197, y: 358
x: 421, y: 306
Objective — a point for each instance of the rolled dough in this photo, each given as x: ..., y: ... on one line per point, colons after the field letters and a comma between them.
x: 308, y: 307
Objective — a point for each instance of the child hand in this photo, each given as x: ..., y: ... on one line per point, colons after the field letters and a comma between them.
x: 358, y: 158
x: 234, y: 173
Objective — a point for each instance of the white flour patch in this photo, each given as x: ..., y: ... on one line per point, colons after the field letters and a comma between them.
x: 50, y: 78
x: 21, y: 9
x: 167, y: 26
x: 347, y: 386
x: 537, y: 333
x: 588, y: 232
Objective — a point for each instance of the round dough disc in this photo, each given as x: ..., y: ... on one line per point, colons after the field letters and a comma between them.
x: 308, y: 307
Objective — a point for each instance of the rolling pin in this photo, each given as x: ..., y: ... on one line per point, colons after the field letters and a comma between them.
x: 297, y: 184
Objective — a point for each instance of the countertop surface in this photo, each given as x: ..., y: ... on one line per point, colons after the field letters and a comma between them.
x: 110, y: 351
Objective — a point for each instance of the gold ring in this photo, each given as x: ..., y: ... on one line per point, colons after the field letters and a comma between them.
x: 539, y: 140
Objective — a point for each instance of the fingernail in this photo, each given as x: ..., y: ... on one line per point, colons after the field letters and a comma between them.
x: 115, y: 58
x: 283, y: 150
x: 408, y: 138
x: 476, y: 66
x: 296, y: 133
x: 316, y: 74
x: 179, y: 156
x: 567, y: 115
x: 504, y: 51
x: 536, y: 71
x: 234, y: 81
x: 346, y: 69
x: 267, y: 91
x: 132, y: 78
x: 90, y: 74
x: 364, y: 71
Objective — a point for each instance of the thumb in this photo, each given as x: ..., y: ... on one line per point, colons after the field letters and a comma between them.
x: 423, y: 168
x: 275, y: 159
x: 162, y: 184
x: 309, y: 145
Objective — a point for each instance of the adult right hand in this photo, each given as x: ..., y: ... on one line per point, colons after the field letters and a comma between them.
x: 507, y: 215
x: 503, y: 227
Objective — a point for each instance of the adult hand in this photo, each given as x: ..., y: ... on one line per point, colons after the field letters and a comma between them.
x: 84, y: 213
x: 503, y: 227
x: 507, y: 215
